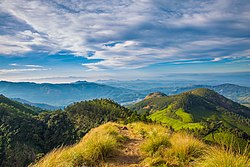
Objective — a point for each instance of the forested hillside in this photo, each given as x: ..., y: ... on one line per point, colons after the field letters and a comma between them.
x: 26, y: 135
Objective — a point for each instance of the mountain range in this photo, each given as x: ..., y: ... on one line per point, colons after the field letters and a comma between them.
x: 54, y: 96
x: 65, y: 94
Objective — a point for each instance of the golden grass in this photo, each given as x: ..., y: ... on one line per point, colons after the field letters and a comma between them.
x: 145, y: 130
x: 186, y: 147
x: 162, y: 148
x: 159, y: 148
x: 154, y: 142
x: 219, y: 157
x: 97, y: 145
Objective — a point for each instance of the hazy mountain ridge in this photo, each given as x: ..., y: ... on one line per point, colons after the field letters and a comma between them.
x: 39, y: 105
x: 64, y: 94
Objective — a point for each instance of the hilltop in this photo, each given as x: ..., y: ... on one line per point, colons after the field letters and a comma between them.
x: 155, y: 94
x: 197, y: 110
x: 240, y: 94
x: 139, y: 144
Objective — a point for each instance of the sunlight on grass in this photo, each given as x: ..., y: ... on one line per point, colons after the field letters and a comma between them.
x: 185, y: 148
x: 162, y: 148
x: 217, y: 157
x: 161, y: 116
x: 155, y: 141
x: 186, y: 117
x: 159, y: 147
x: 94, y: 148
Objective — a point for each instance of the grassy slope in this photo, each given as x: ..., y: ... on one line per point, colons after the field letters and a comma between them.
x: 140, y: 144
x: 160, y: 116
x: 187, y: 109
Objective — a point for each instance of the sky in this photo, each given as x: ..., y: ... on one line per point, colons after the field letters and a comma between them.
x: 69, y: 40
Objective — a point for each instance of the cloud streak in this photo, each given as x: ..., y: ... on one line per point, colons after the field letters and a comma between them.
x: 19, y: 70
x: 129, y: 34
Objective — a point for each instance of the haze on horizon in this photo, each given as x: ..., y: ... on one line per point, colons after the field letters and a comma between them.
x: 67, y: 40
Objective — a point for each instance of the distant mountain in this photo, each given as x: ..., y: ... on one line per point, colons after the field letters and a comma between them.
x: 26, y: 135
x: 39, y: 105
x: 189, y: 109
x: 64, y: 94
x: 155, y: 94
x: 240, y: 94
x: 236, y: 93
x: 48, y: 95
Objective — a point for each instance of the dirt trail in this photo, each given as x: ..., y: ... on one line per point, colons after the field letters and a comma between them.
x: 129, y: 154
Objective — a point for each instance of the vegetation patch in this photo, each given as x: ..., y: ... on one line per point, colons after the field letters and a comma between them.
x: 161, y: 117
x: 93, y: 149
x: 186, y: 117
x: 224, y: 158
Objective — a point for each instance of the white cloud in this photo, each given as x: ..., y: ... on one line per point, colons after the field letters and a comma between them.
x: 26, y: 65
x: 14, y: 70
x: 146, y: 31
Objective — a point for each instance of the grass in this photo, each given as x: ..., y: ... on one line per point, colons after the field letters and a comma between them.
x: 94, y: 148
x: 146, y: 130
x: 229, y: 141
x: 159, y: 147
x: 154, y: 142
x: 186, y: 117
x: 185, y: 148
x: 218, y: 157
x: 161, y: 116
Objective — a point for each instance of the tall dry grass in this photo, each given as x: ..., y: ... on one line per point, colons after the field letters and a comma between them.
x: 221, y: 157
x: 94, y: 148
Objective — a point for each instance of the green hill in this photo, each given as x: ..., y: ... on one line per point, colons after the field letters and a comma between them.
x: 26, y: 135
x: 21, y: 107
x: 193, y: 109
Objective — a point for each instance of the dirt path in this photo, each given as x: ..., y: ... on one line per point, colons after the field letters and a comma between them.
x: 129, y: 154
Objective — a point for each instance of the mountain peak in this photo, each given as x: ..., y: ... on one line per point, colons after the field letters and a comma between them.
x: 155, y: 94
x: 203, y: 92
x: 79, y: 82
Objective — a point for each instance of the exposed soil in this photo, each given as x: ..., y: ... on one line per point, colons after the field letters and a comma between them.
x: 129, y: 154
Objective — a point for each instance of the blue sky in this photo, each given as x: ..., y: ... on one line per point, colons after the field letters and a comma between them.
x: 67, y: 40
